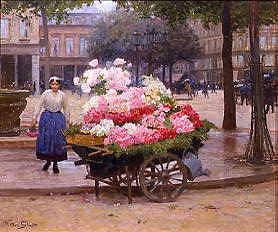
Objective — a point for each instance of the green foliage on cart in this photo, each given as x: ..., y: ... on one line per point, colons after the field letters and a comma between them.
x: 182, y: 141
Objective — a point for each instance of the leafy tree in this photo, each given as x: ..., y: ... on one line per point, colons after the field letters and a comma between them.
x: 233, y: 15
x: 180, y: 44
x: 113, y: 37
x: 46, y: 9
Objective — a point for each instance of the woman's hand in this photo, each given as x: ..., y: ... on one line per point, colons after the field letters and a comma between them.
x: 34, y: 122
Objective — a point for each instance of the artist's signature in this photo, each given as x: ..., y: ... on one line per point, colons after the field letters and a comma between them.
x: 19, y: 224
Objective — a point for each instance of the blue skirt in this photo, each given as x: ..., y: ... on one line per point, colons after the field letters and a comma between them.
x: 51, y: 141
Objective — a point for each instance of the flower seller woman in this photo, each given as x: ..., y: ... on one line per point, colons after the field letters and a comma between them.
x: 51, y: 141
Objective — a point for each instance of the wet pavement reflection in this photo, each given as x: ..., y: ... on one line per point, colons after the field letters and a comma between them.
x: 222, y: 154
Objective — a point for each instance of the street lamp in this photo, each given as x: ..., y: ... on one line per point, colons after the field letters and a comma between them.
x: 145, y: 41
x: 136, y: 38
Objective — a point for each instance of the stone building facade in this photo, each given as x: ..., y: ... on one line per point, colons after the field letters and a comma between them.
x: 210, y: 66
x: 69, y: 42
x: 20, y: 52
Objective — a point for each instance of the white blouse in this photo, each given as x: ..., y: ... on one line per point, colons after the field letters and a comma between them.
x: 53, y: 102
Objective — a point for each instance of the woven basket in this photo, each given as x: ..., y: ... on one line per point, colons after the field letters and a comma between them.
x: 85, y: 140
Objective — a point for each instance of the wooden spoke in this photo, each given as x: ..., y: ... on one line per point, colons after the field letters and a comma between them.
x: 170, y: 183
x: 174, y: 168
x: 160, y: 163
x: 155, y: 186
x: 157, y: 169
x: 160, y: 184
x: 168, y: 162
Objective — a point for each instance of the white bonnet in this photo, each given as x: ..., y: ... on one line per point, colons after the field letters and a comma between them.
x: 54, y: 78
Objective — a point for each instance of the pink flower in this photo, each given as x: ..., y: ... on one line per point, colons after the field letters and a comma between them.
x: 182, y: 124
x: 93, y: 63
x: 117, y: 79
x: 102, y: 104
x: 152, y: 121
x: 120, y: 136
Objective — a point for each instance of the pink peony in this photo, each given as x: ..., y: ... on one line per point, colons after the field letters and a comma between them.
x: 182, y: 124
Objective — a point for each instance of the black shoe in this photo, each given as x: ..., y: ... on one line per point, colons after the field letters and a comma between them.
x: 55, y: 168
x: 46, y: 166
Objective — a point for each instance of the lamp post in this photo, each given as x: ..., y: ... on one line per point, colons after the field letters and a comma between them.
x: 152, y: 37
x: 136, y: 42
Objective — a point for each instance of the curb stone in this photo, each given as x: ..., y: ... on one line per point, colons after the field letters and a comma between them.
x: 211, y: 184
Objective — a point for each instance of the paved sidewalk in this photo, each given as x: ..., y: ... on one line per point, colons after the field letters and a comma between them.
x: 20, y: 171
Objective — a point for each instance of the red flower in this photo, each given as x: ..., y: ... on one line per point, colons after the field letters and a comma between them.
x: 166, y: 133
x: 192, y: 115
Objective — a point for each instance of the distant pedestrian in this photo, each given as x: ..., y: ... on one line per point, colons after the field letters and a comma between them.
x: 205, y: 90
x: 51, y: 141
x: 245, y: 93
x: 213, y: 88
x: 269, y: 98
x: 188, y: 89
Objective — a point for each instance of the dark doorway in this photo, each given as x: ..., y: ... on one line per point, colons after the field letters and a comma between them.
x: 68, y: 76
x: 7, y: 71
x: 24, y: 70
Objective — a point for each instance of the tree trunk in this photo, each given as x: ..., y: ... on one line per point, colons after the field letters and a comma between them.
x: 163, y: 73
x: 170, y: 75
x: 150, y: 68
x: 258, y: 152
x: 229, y: 121
x: 47, y: 46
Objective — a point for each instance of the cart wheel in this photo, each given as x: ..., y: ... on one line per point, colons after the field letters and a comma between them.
x: 163, y: 177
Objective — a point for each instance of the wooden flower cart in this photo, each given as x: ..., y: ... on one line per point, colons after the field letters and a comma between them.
x: 161, y: 177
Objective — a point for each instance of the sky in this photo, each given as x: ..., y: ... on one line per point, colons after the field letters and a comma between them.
x: 104, y: 6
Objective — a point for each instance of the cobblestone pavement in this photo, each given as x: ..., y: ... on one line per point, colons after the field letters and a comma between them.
x: 236, y: 209
x: 211, y: 109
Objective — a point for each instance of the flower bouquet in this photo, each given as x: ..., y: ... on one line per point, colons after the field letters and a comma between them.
x: 132, y: 120
x: 32, y: 131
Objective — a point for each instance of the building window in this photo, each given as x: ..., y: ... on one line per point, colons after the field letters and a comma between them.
x: 263, y: 42
x: 269, y: 60
x: 69, y: 46
x: 219, y: 63
x: 83, y: 46
x: 274, y: 41
x: 4, y: 28
x: 56, y: 46
x: 23, y: 28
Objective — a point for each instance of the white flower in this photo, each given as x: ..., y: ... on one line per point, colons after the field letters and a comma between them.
x: 129, y: 65
x: 93, y: 63
x: 130, y: 127
x: 111, y: 93
x: 119, y: 61
x: 85, y: 88
x: 103, y: 128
